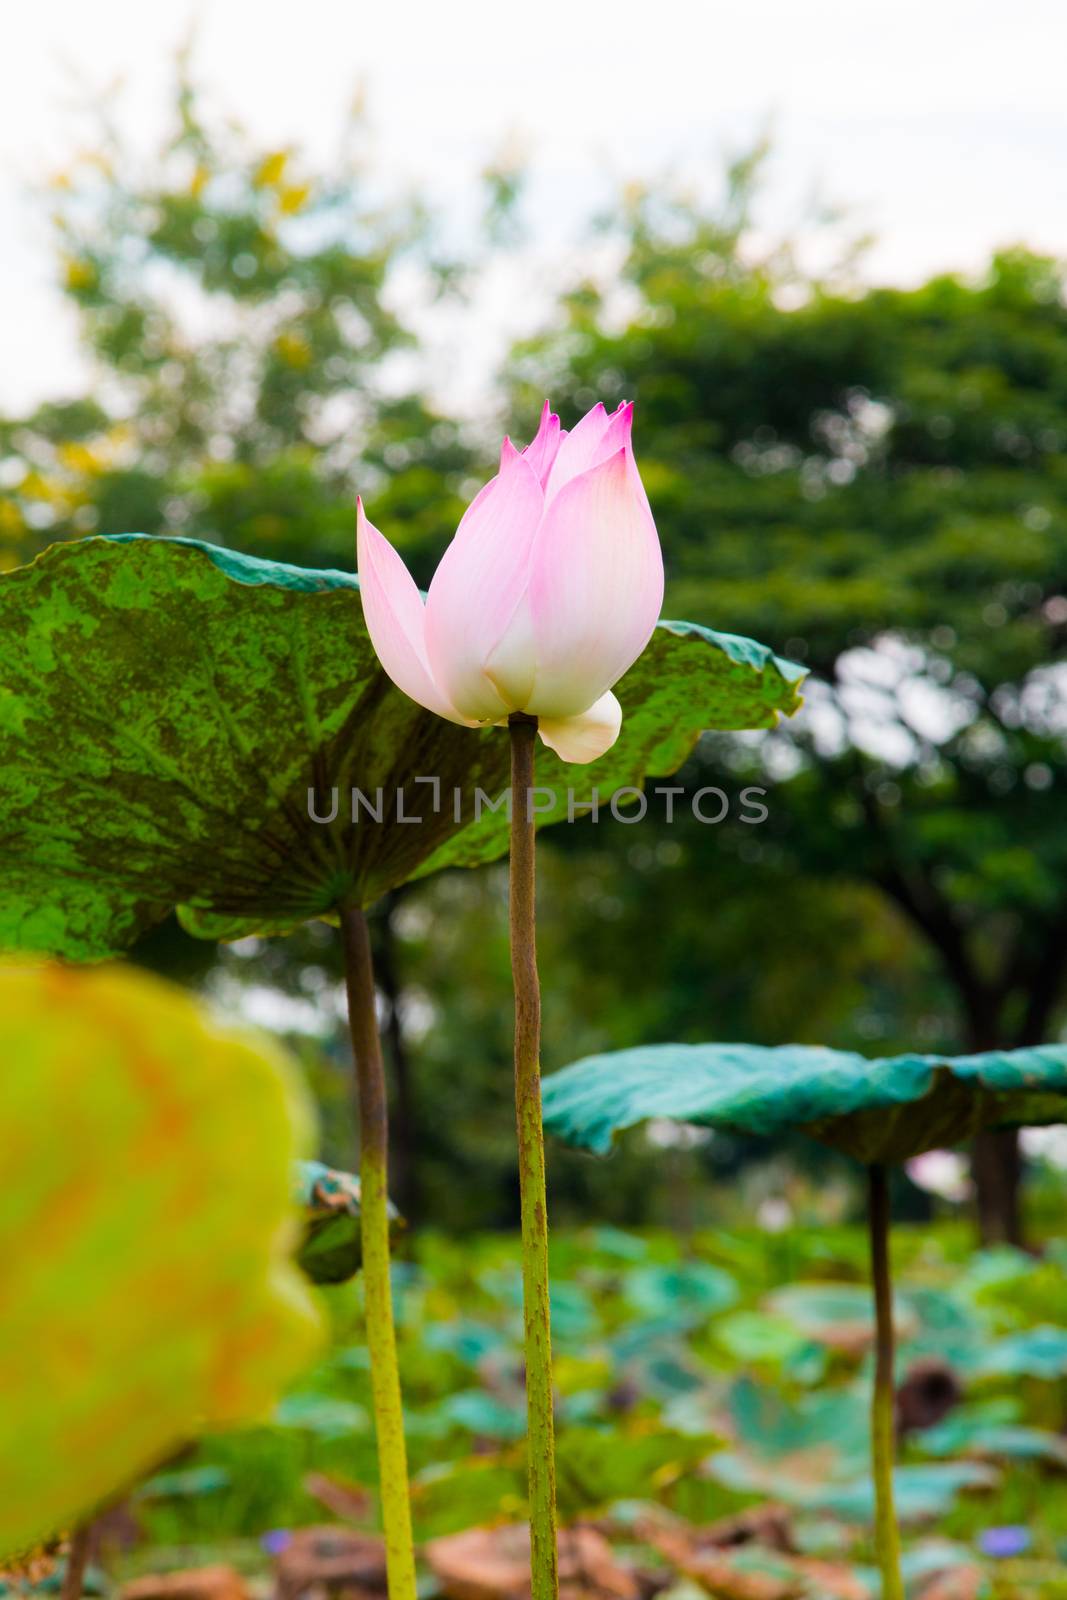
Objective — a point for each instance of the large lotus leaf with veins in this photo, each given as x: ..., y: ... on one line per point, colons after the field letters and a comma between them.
x: 167, y: 708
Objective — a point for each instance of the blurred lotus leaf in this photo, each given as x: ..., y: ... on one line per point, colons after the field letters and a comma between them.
x: 938, y: 1326
x: 991, y: 1432
x: 921, y: 1492
x: 751, y: 1336
x: 755, y: 1563
x: 839, y: 1315
x: 332, y: 1249
x: 169, y: 707
x: 487, y: 1415
x: 187, y: 1483
x: 145, y: 1226
x: 573, y: 1311
x: 994, y: 1268
x: 467, y: 1340
x: 325, y: 1415
x: 1034, y: 1353
x: 941, y: 1569
x: 448, y: 1496
x: 595, y: 1467
x: 686, y: 1294
x: 815, y: 1454
x: 878, y: 1110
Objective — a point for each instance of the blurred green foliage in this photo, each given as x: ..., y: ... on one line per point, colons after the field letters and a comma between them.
x: 658, y: 1411
x: 246, y: 367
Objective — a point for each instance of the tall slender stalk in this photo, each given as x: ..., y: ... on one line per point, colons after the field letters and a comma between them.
x: 882, y: 1421
x: 374, y: 1225
x: 540, y: 1440
x: 77, y: 1561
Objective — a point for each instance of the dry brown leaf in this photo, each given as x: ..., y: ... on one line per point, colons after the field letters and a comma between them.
x: 351, y: 1502
x: 959, y: 1583
x: 494, y: 1564
x: 331, y: 1558
x: 193, y: 1583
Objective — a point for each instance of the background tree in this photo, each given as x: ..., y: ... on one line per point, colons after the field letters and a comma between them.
x: 876, y: 481
x: 248, y: 371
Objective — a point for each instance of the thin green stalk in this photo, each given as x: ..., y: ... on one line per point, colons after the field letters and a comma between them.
x: 374, y: 1226
x: 540, y: 1442
x: 883, y: 1430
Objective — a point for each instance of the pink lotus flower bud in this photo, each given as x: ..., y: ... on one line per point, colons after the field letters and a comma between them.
x: 549, y: 591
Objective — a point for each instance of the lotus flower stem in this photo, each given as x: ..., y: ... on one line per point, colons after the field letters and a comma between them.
x: 374, y: 1226
x: 77, y: 1561
x: 540, y: 1429
x: 887, y: 1533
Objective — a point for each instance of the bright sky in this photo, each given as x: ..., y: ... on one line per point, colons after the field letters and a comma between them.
x: 941, y: 123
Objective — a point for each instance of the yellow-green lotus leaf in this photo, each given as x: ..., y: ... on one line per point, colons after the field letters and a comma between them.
x: 146, y: 1220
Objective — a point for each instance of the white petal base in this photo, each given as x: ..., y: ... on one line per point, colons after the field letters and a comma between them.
x: 586, y: 736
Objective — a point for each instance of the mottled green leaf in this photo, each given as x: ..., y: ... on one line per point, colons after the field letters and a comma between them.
x: 874, y: 1109
x: 166, y: 706
x: 145, y: 1225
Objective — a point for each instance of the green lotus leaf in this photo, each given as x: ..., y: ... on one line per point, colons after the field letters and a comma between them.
x: 920, y: 1492
x: 145, y: 1227
x: 993, y: 1432
x: 467, y: 1340
x: 939, y: 1323
x: 595, y: 1470
x: 476, y: 1411
x: 749, y: 1337
x: 882, y: 1110
x: 687, y: 1294
x: 187, y: 1483
x: 325, y: 1415
x: 835, y: 1313
x: 167, y: 706
x: 1033, y: 1353
x: 814, y: 1454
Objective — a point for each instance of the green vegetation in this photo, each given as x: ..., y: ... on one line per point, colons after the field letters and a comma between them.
x: 695, y: 1379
